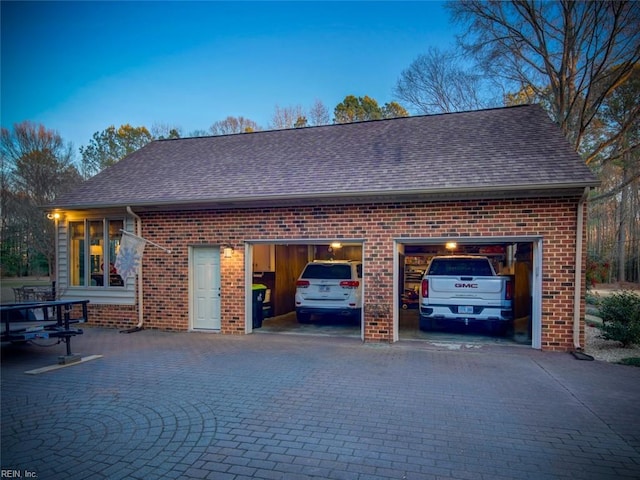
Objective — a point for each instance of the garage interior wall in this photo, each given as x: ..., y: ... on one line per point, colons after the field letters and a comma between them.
x: 165, y: 286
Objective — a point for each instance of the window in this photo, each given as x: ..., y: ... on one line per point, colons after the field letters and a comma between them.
x: 93, y: 248
x: 468, y: 267
x: 327, y: 272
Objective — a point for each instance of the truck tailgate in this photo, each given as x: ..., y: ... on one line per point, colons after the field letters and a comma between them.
x: 468, y: 288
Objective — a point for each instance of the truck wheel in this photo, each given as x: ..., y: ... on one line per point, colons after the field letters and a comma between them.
x: 303, y: 317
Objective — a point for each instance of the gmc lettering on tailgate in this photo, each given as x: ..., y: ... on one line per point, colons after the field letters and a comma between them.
x: 466, y: 285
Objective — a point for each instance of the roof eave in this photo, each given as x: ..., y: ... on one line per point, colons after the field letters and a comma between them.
x: 364, y: 197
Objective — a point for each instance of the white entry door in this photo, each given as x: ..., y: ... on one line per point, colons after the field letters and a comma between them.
x: 205, y: 282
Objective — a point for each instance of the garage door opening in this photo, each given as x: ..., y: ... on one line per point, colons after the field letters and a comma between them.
x: 515, y: 259
x: 275, y: 269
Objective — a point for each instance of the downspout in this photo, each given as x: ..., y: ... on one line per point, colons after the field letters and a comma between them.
x: 578, y: 272
x: 138, y: 224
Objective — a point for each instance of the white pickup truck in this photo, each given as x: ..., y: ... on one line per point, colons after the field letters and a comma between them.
x: 466, y: 290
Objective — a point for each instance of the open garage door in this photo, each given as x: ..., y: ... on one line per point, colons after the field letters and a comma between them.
x: 275, y: 268
x: 519, y: 258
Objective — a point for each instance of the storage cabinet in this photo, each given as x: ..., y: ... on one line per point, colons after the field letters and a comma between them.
x: 264, y: 258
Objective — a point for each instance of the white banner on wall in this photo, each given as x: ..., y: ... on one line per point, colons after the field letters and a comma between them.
x: 129, y: 255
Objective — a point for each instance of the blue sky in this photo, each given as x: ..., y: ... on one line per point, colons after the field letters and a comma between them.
x: 79, y: 67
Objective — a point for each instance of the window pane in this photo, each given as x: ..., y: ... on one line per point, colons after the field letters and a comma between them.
x: 76, y: 254
x: 115, y: 236
x: 96, y: 252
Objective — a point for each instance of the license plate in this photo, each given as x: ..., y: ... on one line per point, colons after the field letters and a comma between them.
x: 465, y: 309
x: 324, y: 288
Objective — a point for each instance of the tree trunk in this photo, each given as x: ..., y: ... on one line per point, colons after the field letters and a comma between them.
x: 622, y: 231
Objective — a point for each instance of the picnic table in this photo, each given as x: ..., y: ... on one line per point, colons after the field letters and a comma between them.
x: 25, y: 321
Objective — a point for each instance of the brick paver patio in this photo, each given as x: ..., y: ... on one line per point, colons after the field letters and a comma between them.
x: 190, y: 405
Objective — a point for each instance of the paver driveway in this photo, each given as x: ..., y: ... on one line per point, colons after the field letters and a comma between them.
x: 271, y: 406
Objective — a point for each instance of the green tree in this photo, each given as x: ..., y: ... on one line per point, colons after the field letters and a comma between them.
x: 108, y: 147
x: 36, y: 167
x: 394, y: 110
x: 360, y: 109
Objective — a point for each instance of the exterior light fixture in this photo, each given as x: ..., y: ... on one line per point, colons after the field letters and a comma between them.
x: 451, y: 246
x: 227, y: 251
x: 336, y: 245
x: 53, y: 216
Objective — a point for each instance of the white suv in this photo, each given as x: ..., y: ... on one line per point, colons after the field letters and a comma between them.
x: 329, y: 287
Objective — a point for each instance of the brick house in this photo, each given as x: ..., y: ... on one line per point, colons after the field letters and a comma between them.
x: 237, y: 209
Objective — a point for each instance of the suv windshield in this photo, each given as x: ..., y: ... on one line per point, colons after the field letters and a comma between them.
x: 330, y: 272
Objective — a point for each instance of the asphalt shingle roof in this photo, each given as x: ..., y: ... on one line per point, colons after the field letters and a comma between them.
x: 498, y: 149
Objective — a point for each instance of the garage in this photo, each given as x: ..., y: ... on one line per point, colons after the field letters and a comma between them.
x: 517, y: 258
x: 275, y: 269
x: 500, y: 183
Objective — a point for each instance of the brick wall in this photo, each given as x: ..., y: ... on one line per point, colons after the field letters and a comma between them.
x: 166, y: 304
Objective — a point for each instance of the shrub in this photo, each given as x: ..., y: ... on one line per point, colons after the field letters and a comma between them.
x: 592, y: 298
x: 620, y: 313
x: 597, y: 270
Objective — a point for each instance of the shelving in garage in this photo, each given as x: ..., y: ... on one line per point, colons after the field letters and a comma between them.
x: 414, y: 267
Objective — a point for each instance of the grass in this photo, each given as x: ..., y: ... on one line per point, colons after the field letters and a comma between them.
x: 632, y: 361
x: 20, y: 281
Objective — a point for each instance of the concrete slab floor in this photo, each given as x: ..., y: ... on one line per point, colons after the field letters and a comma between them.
x: 409, y: 330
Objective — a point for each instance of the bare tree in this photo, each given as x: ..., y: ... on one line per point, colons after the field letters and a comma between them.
x: 437, y: 82
x: 163, y: 131
x: 577, y: 59
x: 288, y: 117
x: 36, y: 166
x: 574, y: 54
x: 625, y: 172
x: 198, y: 133
x: 232, y: 125
x: 319, y: 114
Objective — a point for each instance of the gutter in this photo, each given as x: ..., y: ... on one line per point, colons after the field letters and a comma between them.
x: 578, y: 351
x: 365, y: 196
x: 138, y: 225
